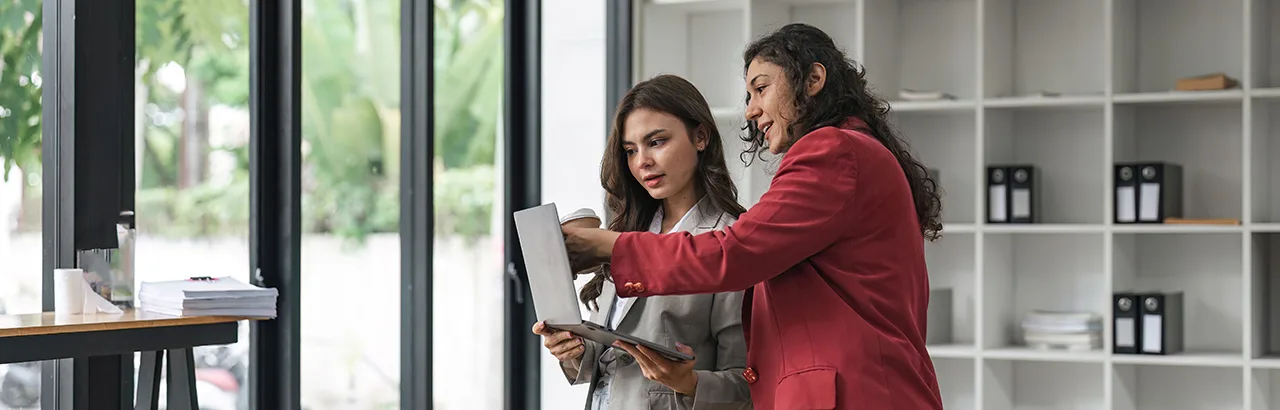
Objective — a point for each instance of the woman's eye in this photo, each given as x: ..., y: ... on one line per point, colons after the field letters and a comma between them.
x: 629, y: 152
x: 655, y: 143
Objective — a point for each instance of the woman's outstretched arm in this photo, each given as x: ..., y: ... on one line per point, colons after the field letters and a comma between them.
x: 803, y: 212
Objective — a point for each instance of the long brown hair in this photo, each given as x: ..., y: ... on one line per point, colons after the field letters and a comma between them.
x: 795, y: 47
x: 629, y: 205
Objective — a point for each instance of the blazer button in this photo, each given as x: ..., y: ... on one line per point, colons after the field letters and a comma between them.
x: 639, y: 287
x: 629, y: 286
x: 750, y: 375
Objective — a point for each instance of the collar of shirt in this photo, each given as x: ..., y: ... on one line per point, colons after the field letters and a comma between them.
x: 655, y: 224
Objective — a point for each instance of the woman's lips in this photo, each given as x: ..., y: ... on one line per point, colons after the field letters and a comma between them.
x: 653, y: 181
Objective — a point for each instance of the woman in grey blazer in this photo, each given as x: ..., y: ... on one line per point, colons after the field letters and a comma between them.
x: 664, y: 172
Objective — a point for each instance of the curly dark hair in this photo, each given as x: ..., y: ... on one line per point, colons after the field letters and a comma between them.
x: 630, y: 206
x: 796, y: 47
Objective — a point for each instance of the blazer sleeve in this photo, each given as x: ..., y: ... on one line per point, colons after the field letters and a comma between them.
x: 580, y: 371
x: 797, y: 217
x: 724, y: 388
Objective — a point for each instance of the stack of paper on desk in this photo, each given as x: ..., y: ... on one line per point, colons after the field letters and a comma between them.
x: 207, y: 297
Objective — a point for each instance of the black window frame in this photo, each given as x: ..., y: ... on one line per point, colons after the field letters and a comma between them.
x: 72, y: 27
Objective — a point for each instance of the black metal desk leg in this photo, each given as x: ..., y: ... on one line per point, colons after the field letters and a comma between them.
x: 96, y: 381
x: 149, y: 381
x: 181, y: 376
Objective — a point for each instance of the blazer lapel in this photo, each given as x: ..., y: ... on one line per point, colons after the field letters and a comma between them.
x: 626, y: 309
x: 609, y: 299
x: 707, y: 222
x: 607, y: 294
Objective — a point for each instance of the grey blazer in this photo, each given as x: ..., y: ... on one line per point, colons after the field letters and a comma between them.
x: 709, y: 323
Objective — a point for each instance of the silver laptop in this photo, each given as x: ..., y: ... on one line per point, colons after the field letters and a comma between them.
x: 551, y: 281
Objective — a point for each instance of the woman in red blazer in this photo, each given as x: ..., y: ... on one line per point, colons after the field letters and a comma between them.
x: 831, y: 257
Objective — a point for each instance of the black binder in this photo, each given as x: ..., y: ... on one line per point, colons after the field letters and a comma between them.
x: 1161, y: 323
x: 997, y: 194
x: 1024, y: 194
x: 1126, y: 193
x: 1013, y: 194
x: 1159, y: 192
x: 1126, y: 332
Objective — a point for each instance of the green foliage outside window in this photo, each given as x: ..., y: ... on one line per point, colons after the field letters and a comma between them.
x: 350, y: 103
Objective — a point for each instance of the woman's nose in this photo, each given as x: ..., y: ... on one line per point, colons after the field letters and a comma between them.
x: 644, y: 160
x: 752, y: 112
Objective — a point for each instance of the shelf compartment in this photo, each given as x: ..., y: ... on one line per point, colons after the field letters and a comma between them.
x: 730, y: 127
x: 1034, y: 385
x: 1264, y: 160
x: 1204, y: 139
x: 951, y: 274
x: 1025, y: 51
x: 941, y: 141
x: 924, y: 45
x: 836, y: 18
x: 1207, y: 269
x: 1264, y: 300
x: 1265, y: 389
x: 955, y: 381
x: 1023, y: 273
x: 1158, y: 42
x: 1065, y: 145
x: 700, y: 41
x: 1146, y: 387
x: 1265, y: 38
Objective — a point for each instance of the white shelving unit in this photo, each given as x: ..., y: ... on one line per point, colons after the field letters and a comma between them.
x: 1114, y: 64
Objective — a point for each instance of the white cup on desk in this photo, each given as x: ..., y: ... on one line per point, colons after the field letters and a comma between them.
x: 68, y: 291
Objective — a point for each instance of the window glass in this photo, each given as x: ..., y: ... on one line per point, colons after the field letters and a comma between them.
x: 20, y: 186
x: 350, y: 204
x: 191, y: 140
x: 468, y: 281
x: 573, y: 115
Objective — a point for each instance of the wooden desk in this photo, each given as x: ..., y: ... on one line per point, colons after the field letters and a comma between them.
x: 95, y: 353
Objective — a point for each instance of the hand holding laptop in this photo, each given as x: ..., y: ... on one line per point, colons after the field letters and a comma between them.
x: 565, y: 346
x: 679, y: 375
x: 548, y: 264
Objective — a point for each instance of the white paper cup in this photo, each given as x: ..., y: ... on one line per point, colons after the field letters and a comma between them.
x: 68, y: 291
x: 585, y: 218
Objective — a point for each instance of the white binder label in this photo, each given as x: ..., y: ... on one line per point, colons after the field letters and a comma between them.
x: 1151, y: 333
x: 996, y: 202
x: 1022, y: 203
x: 1124, y: 332
x: 1150, y: 201
x: 1126, y: 204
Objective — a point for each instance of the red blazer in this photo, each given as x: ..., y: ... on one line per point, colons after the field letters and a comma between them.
x: 833, y: 262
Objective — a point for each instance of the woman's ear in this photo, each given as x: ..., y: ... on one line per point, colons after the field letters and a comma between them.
x: 816, y: 80
x: 701, y: 135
